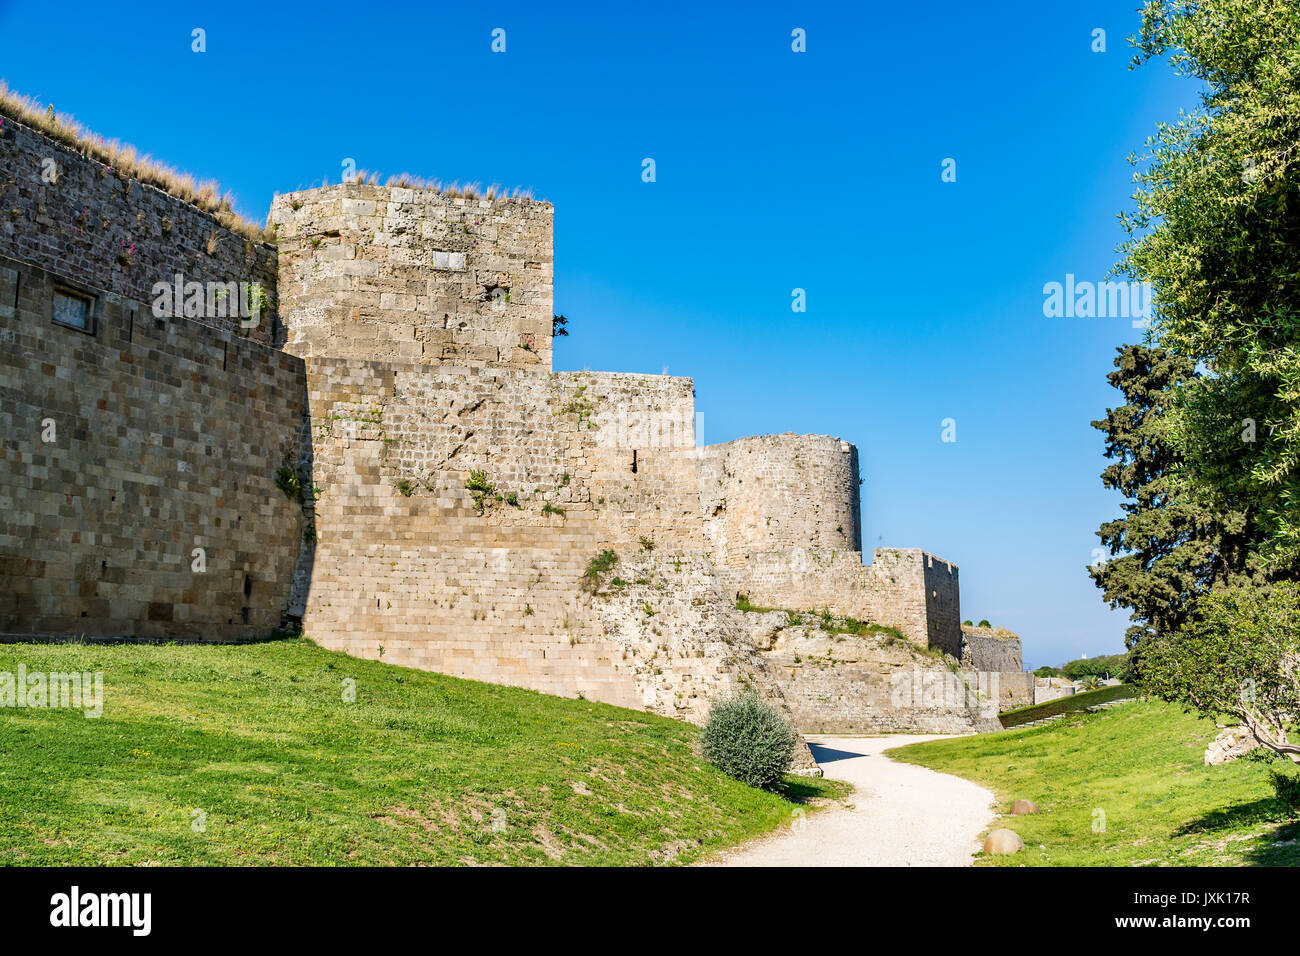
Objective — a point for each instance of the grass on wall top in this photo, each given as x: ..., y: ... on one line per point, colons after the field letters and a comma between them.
x: 63, y: 128
x: 258, y: 742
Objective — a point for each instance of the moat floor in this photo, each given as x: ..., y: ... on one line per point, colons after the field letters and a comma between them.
x: 902, y: 815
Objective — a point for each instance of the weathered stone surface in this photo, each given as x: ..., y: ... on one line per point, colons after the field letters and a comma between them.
x: 1003, y: 843
x: 140, y: 467
x: 1023, y: 807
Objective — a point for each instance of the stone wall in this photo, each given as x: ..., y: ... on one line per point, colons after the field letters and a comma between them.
x: 990, y: 649
x: 1015, y: 689
x: 126, y: 448
x: 98, y: 230
x: 409, y: 275
x: 457, y: 489
x: 1052, y: 688
x: 905, y: 588
x: 844, y: 683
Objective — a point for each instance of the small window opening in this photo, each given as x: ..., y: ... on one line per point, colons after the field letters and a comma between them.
x: 74, y: 309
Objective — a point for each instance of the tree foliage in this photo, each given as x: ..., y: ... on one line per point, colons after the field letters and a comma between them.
x: 1216, y: 230
x: 1168, y: 547
x: 1238, y: 656
x: 1110, y: 665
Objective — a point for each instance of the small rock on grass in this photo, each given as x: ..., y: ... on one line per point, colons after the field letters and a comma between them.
x: 1003, y: 842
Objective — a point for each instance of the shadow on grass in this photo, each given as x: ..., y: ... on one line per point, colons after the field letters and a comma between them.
x: 1265, y: 810
x: 799, y: 789
x: 1282, y: 848
x: 1279, y: 832
x: 288, y: 633
x: 806, y: 789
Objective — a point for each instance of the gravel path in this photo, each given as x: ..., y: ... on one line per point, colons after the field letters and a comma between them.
x: 902, y: 815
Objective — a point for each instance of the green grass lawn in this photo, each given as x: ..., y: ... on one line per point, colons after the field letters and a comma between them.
x: 250, y: 755
x: 1139, y: 764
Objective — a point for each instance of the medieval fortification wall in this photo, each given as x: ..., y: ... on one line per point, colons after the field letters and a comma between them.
x: 454, y: 488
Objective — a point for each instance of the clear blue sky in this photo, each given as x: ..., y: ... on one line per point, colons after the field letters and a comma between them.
x: 776, y: 170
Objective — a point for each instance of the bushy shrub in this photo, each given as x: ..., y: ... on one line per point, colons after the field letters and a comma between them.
x: 1287, y: 788
x: 746, y: 738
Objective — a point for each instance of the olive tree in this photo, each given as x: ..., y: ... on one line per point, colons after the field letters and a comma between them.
x: 1239, y: 656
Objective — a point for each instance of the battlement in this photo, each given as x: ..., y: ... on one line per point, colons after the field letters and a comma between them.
x: 387, y: 273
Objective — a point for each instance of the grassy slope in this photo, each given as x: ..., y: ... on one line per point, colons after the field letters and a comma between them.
x: 1140, y: 763
x: 260, y: 738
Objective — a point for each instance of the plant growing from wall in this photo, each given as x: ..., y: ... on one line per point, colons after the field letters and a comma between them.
x: 287, y: 480
x: 745, y: 605
x: 579, y: 405
x: 259, y: 303
x: 597, y: 568
x: 479, y: 486
x: 550, y: 509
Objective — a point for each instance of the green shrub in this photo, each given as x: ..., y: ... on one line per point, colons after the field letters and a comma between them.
x: 1287, y: 788
x: 597, y: 568
x: 287, y: 480
x: 743, y: 603
x: 479, y: 487
x: 985, y: 623
x: 746, y: 738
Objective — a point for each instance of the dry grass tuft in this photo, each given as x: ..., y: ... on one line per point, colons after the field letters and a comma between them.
x: 126, y: 161
x: 456, y: 189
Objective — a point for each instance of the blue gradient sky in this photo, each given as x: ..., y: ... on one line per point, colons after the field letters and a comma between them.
x: 776, y: 170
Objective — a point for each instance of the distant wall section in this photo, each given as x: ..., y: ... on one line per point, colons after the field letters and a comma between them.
x: 780, y: 492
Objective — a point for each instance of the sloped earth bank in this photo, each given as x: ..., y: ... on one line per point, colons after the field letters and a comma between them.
x: 898, y: 815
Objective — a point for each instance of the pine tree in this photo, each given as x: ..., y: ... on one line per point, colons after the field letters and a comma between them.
x: 1167, y: 549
